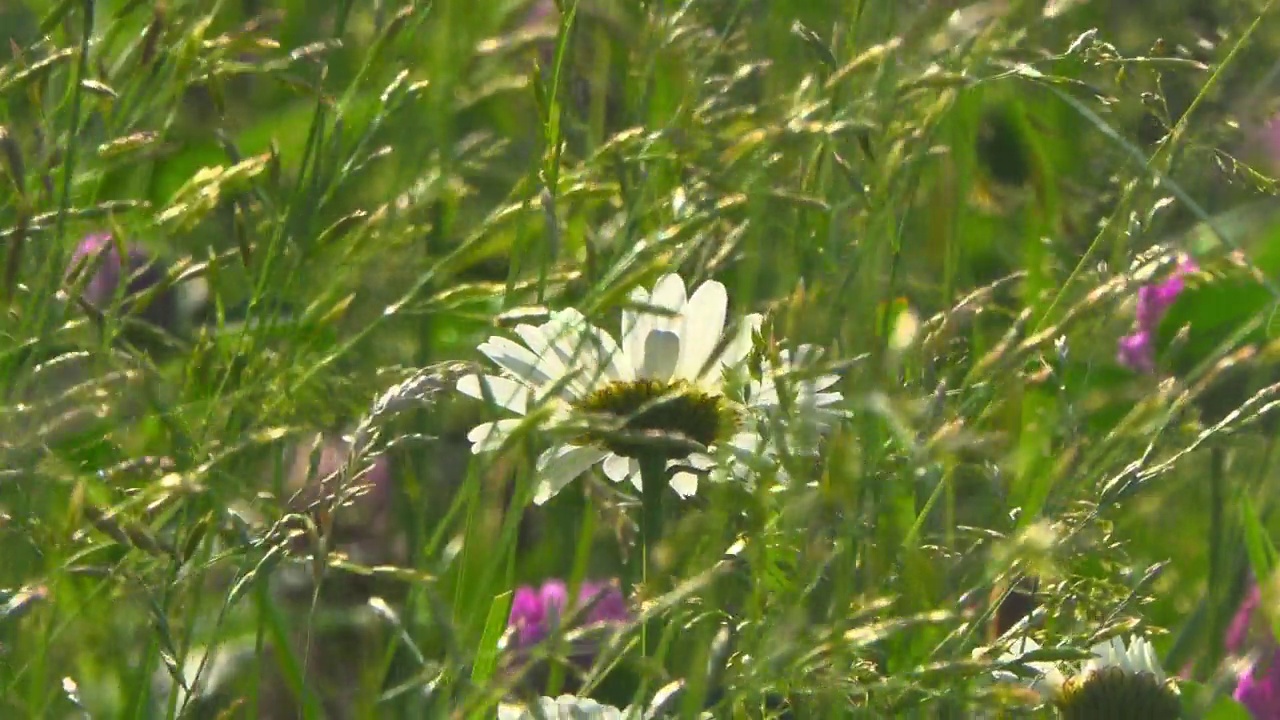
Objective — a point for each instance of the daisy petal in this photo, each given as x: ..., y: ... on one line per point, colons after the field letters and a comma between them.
x: 737, y: 348
x: 668, y: 293
x: 1017, y: 648
x: 635, y: 327
x: 519, y: 361
x: 1050, y: 681
x: 684, y: 483
x: 1050, y: 678
x: 487, y: 437
x: 618, y: 468
x: 612, y: 360
x: 559, y: 466
x: 505, y: 393
x: 1147, y: 659
x: 556, y: 343
x: 661, y: 353
x: 580, y: 344
x: 697, y: 461
x: 745, y: 445
x: 765, y: 394
x: 804, y: 356
x: 824, y: 399
x: 1119, y: 654
x: 703, y: 327
x: 822, y: 382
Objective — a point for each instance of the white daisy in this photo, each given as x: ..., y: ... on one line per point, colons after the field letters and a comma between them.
x: 795, y: 406
x: 663, y: 388
x: 805, y: 389
x: 1121, y: 682
x: 1138, y: 657
x: 565, y: 707
x: 1118, y: 681
x: 572, y: 707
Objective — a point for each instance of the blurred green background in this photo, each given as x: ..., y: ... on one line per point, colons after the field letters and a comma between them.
x: 362, y: 189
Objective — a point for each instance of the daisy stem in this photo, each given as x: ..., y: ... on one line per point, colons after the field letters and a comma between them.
x: 653, y: 481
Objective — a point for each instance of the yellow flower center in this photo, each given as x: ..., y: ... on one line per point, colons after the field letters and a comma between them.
x: 638, y: 419
x: 1111, y: 693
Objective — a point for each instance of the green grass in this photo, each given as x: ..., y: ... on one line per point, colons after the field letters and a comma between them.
x: 951, y: 205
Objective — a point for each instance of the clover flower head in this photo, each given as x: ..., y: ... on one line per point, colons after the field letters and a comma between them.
x: 137, y: 271
x: 536, y: 613
x: 1136, y: 350
x: 1242, y: 624
x: 1258, y: 688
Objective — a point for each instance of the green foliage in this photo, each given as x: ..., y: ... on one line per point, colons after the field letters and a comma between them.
x: 351, y: 196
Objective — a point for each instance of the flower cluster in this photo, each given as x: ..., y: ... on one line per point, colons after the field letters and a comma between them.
x: 1137, y: 350
x: 536, y: 613
x: 1258, y: 687
x: 673, y: 388
x: 128, y: 276
x: 1240, y: 632
x: 316, y: 481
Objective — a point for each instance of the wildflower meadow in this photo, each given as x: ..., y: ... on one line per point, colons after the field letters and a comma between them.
x: 639, y: 359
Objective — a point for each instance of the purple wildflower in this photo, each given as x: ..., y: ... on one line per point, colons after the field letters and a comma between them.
x: 542, y: 12
x: 529, y: 610
x: 543, y: 15
x: 1269, y: 139
x: 607, y: 606
x: 351, y: 507
x: 1259, y: 688
x: 365, y: 493
x: 1241, y: 628
x: 1136, y: 350
x: 99, y: 254
x: 536, y: 612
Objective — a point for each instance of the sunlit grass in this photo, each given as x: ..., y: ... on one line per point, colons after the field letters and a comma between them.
x: 957, y: 205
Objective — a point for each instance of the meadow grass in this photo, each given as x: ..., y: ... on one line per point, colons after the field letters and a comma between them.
x: 958, y: 203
